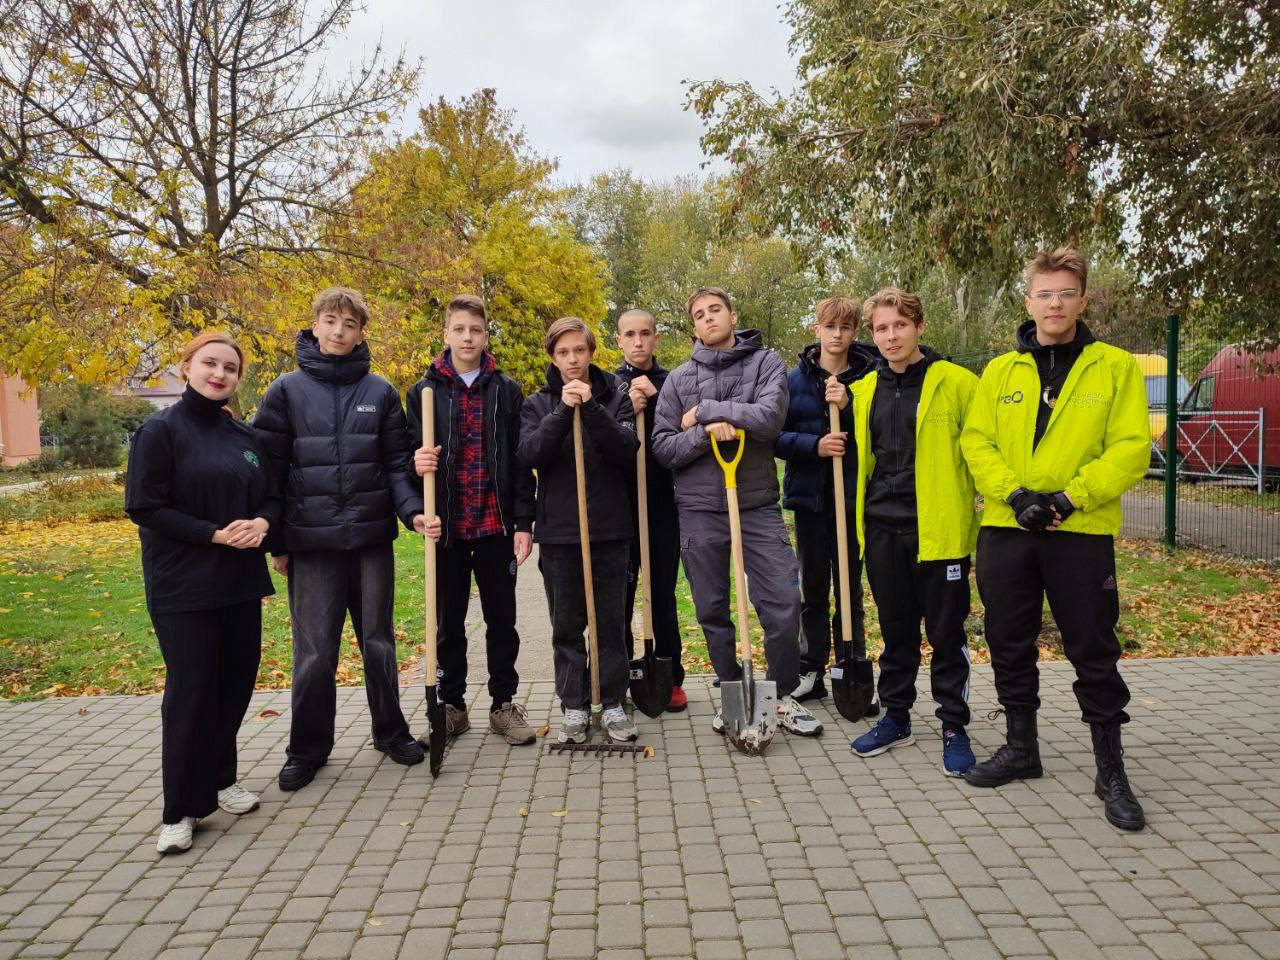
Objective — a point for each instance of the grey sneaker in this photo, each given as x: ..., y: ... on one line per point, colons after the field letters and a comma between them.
x: 456, y: 720
x: 509, y: 722
x: 618, y: 725
x: 576, y: 726
x: 794, y: 718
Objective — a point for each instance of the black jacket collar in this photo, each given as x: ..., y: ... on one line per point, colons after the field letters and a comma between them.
x: 328, y: 368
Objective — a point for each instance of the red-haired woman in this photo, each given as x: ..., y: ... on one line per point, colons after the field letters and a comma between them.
x: 201, y: 493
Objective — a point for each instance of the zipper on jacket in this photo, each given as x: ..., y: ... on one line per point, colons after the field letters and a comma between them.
x: 493, y: 454
x: 337, y: 428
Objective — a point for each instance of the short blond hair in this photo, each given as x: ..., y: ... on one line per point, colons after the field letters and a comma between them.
x: 339, y: 299
x: 1067, y: 259
x: 839, y: 309
x: 568, y: 325
x: 907, y: 304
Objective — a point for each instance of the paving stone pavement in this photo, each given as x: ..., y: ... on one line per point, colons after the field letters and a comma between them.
x: 809, y: 852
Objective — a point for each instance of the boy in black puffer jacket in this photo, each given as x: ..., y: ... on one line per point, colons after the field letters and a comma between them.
x: 609, y: 451
x: 338, y: 445
x: 808, y: 445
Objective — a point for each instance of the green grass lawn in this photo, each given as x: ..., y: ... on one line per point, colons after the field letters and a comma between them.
x: 73, y: 619
x: 1206, y: 492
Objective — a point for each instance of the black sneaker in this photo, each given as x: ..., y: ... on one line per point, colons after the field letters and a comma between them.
x: 297, y: 772
x: 405, y: 750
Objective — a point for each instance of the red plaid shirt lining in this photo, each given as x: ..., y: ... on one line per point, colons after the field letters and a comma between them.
x: 473, y: 506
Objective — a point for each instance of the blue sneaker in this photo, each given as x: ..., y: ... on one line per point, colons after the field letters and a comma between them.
x: 957, y: 755
x: 885, y: 735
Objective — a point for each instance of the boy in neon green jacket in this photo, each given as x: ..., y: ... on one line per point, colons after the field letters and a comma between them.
x: 916, y: 523
x: 1057, y: 432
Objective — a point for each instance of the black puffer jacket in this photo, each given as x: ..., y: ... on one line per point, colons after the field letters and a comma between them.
x: 512, y: 481
x: 659, y: 483
x: 609, y: 447
x: 337, y: 440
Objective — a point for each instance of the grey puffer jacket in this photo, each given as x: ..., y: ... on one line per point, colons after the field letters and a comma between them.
x: 746, y: 386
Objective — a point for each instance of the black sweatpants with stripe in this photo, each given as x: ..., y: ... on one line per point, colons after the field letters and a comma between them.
x: 907, y: 591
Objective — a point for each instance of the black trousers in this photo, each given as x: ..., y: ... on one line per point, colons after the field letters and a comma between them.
x: 906, y: 592
x: 561, y: 566
x: 323, y: 586
x: 211, y: 663
x: 664, y: 567
x: 818, y: 552
x: 492, y: 561
x: 1017, y: 570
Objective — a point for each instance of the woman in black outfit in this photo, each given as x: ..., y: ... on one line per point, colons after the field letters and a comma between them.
x: 202, y: 496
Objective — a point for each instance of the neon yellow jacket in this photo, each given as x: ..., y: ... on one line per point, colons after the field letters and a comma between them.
x: 946, y: 520
x: 1096, y: 446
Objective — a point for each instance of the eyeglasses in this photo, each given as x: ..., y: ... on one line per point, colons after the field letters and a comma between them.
x: 1047, y: 296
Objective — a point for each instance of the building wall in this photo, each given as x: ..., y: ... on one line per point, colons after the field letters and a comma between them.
x: 19, y: 422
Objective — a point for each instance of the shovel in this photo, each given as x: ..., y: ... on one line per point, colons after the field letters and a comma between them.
x: 437, y: 732
x: 652, y: 679
x: 748, y: 707
x: 853, y: 684
x: 588, y: 586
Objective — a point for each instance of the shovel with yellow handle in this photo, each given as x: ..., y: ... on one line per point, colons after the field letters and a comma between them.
x: 748, y: 707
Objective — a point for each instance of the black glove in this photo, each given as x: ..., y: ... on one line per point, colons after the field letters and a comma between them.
x: 1062, y: 503
x: 1033, y: 511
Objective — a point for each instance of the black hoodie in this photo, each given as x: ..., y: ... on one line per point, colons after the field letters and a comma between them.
x: 891, y: 490
x: 609, y: 447
x: 1053, y: 361
x: 339, y: 447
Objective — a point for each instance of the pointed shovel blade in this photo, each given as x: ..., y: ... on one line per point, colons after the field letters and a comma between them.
x: 652, y: 681
x: 853, y: 687
x: 437, y: 733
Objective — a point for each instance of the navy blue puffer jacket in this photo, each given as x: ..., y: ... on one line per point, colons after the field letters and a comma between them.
x: 806, y: 485
x: 338, y: 443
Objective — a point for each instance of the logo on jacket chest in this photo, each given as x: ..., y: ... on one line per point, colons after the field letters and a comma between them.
x: 1015, y: 397
x: 252, y: 458
x: 366, y: 408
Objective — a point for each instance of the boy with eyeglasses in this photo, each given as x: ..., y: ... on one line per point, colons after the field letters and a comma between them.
x: 1056, y: 434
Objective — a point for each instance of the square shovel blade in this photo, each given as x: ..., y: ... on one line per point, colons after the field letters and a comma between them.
x: 749, y: 730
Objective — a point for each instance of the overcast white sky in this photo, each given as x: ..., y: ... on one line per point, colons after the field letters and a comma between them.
x: 595, y: 84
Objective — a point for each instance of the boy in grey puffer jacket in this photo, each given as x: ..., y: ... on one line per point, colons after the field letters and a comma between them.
x: 732, y: 381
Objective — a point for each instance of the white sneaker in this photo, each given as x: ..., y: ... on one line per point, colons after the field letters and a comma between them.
x: 717, y: 723
x: 807, y: 683
x: 618, y: 725
x: 176, y: 837
x: 575, y: 727
x: 236, y: 799
x: 796, y: 719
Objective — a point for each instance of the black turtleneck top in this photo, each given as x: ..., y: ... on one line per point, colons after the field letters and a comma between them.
x: 192, y: 470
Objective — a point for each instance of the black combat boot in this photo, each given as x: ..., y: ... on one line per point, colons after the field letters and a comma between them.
x: 1018, y: 759
x: 1112, y: 785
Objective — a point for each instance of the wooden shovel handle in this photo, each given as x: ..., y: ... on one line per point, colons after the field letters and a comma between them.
x: 739, y: 579
x: 842, y: 537
x: 584, y: 536
x: 429, y: 545
x: 642, y: 499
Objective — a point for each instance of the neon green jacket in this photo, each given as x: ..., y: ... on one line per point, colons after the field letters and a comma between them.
x: 1097, y: 444
x: 946, y: 520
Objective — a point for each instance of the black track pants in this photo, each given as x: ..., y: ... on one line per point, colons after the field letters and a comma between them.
x: 1017, y: 570
x: 906, y: 592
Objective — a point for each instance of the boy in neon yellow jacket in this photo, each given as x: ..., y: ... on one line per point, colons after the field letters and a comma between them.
x: 1057, y: 432
x: 916, y: 523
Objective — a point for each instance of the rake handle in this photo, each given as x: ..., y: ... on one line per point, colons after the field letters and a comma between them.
x: 584, y: 537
